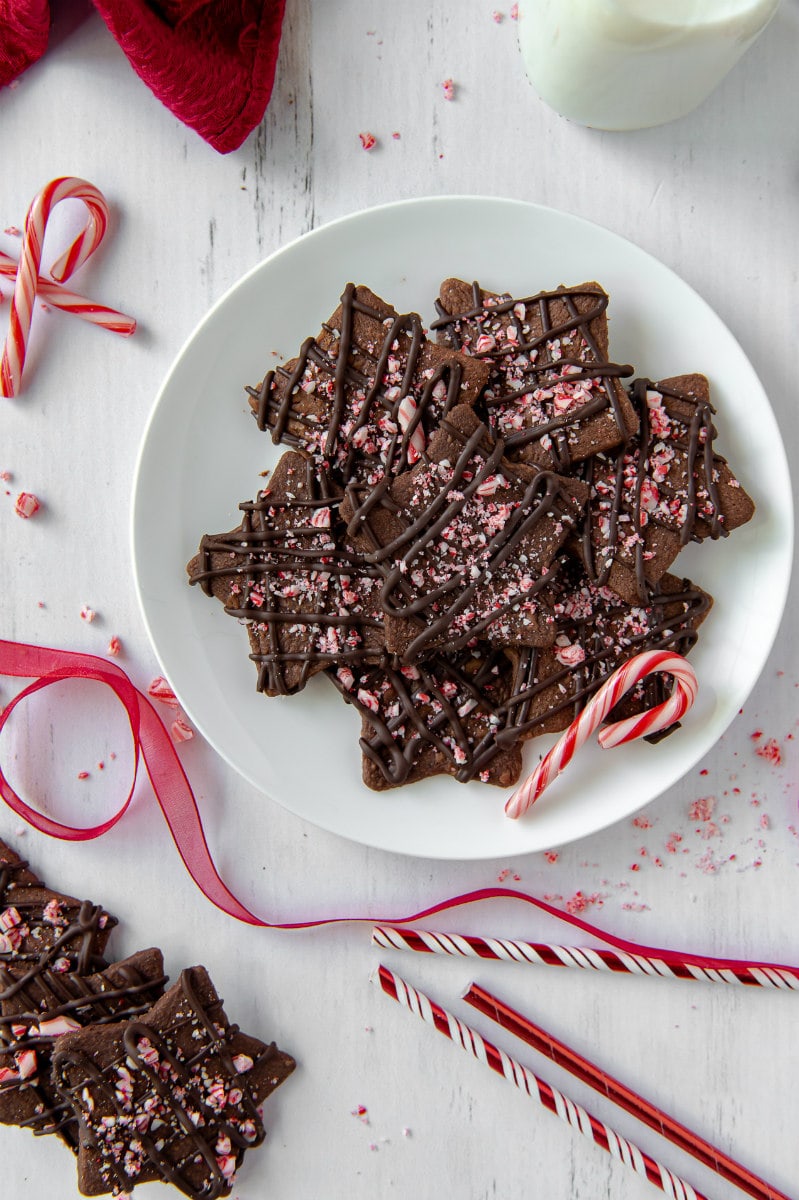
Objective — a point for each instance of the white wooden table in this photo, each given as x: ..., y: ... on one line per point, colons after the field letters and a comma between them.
x: 714, y: 196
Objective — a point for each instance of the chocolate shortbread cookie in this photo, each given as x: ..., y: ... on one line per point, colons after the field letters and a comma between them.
x: 467, y: 543
x: 37, y: 1009
x: 364, y: 396
x: 41, y: 928
x: 173, y: 1096
x: 308, y: 600
x: 667, y: 487
x: 553, y: 396
x: 597, y: 631
x: 437, y: 718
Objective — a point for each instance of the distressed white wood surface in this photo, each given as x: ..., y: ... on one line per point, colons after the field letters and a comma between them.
x: 714, y: 196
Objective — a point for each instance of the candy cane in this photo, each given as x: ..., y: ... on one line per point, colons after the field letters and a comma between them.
x: 70, y: 302
x: 598, y: 707
x: 84, y: 245
x: 406, y: 413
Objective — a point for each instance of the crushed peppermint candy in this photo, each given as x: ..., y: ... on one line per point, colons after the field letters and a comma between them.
x: 160, y: 690
x: 26, y: 505
x: 368, y: 140
x: 181, y: 729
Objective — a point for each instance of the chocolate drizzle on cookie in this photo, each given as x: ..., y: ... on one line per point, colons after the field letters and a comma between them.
x: 40, y: 927
x: 307, y: 598
x: 597, y: 632
x: 170, y: 1097
x: 362, y: 405
x: 474, y: 539
x: 438, y: 717
x: 667, y: 487
x: 37, y: 1008
x: 529, y: 364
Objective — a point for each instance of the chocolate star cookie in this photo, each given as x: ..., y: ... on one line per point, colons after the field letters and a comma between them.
x: 437, y: 718
x: 307, y: 598
x: 597, y: 631
x: 173, y: 1096
x: 41, y: 928
x: 364, y: 396
x: 553, y: 396
x: 667, y: 487
x: 37, y: 1009
x: 467, y: 542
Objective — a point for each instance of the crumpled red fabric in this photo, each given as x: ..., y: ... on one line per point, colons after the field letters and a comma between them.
x: 211, y: 62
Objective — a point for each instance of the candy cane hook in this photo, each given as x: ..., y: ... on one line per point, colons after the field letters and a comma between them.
x: 598, y: 707
x: 84, y: 245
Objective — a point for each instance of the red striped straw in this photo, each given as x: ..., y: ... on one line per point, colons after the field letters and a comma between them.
x: 586, y: 1071
x: 87, y: 241
x: 709, y: 970
x: 60, y: 297
x: 523, y: 1079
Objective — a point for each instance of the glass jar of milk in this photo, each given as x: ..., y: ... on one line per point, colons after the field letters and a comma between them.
x: 629, y: 64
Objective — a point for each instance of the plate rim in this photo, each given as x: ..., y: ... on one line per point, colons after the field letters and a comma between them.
x: 443, y: 200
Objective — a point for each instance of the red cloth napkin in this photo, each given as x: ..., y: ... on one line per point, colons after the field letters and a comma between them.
x: 211, y: 62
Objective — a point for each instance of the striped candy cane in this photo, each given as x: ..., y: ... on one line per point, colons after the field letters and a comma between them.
x: 587, y: 958
x: 84, y: 245
x: 406, y: 414
x: 70, y: 302
x: 523, y: 1079
x: 597, y: 709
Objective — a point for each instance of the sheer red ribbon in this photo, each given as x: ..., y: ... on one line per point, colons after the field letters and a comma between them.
x: 153, y: 744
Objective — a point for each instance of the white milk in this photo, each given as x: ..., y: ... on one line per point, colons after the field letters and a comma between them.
x: 629, y: 64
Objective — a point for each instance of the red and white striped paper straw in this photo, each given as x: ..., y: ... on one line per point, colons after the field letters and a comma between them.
x: 597, y: 709
x: 524, y: 1079
x: 87, y: 241
x: 60, y: 297
x: 588, y: 1072
x: 709, y: 970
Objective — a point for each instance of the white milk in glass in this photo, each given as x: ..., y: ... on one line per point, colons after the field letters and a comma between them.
x: 629, y: 64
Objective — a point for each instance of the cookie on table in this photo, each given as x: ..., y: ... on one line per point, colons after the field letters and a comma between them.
x: 36, y: 1010
x: 307, y: 599
x: 173, y: 1096
x: 364, y: 395
x: 41, y: 928
x: 666, y: 488
x: 467, y: 542
x: 553, y: 396
x: 597, y: 631
x: 437, y: 718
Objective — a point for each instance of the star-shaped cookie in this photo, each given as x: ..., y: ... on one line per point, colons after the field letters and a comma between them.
x: 172, y: 1096
x: 553, y: 396
x: 36, y: 1009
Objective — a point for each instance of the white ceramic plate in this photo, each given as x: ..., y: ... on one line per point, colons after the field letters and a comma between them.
x: 202, y: 452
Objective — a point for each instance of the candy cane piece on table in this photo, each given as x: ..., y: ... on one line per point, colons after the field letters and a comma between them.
x: 84, y: 245
x: 596, y: 710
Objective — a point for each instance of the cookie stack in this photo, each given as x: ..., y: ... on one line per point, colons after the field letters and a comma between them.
x: 466, y: 536
x: 141, y: 1083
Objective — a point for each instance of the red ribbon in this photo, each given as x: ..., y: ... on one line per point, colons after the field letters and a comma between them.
x: 153, y: 744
